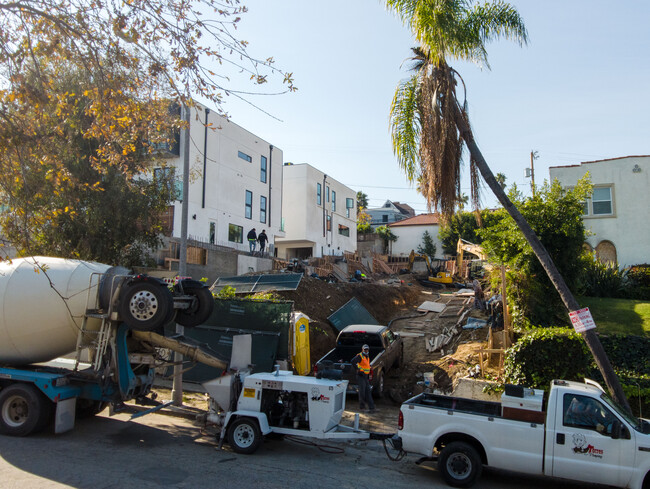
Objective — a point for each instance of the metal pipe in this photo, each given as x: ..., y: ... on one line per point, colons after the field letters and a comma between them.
x: 205, y: 155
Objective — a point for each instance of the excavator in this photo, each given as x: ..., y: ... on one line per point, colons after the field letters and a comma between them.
x: 465, y: 246
x: 441, y: 278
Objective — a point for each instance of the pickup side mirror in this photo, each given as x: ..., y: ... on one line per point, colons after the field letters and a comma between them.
x: 618, y: 430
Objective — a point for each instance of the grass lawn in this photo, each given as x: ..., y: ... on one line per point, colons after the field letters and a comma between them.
x: 619, y: 315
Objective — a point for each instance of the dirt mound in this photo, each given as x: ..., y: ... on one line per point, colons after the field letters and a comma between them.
x: 319, y: 299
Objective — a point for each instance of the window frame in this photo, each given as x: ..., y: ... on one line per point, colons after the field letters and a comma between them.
x: 319, y: 194
x: 263, y: 201
x: 244, y: 156
x: 248, y: 205
x: 333, y: 200
x: 235, y: 231
x: 263, y: 167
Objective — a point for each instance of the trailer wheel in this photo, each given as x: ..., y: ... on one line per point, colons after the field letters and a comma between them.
x: 200, y: 308
x: 244, y: 435
x: 145, y: 306
x: 460, y: 464
x: 22, y: 410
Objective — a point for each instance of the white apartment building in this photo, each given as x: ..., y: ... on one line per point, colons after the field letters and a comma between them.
x: 319, y: 212
x: 235, y: 183
x: 616, y: 215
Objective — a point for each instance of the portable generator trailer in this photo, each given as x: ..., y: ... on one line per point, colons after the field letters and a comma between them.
x: 246, y: 407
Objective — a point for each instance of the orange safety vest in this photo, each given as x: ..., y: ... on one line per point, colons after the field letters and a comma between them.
x: 364, y: 364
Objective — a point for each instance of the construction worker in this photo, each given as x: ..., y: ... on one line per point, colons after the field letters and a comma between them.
x: 362, y: 363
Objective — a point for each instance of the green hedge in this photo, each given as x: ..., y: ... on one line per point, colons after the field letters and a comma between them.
x: 560, y: 353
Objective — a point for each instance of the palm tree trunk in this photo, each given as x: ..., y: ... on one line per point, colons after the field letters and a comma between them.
x: 590, y: 337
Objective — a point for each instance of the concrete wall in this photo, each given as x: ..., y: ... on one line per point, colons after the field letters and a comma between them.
x: 304, y: 216
x: 626, y: 228
x: 226, y: 178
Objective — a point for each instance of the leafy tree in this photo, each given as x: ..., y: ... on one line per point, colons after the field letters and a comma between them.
x: 430, y: 126
x: 128, y: 61
x: 363, y: 222
x: 60, y: 200
x: 362, y: 201
x: 555, y: 214
x: 385, y: 233
x: 427, y: 247
x: 466, y: 226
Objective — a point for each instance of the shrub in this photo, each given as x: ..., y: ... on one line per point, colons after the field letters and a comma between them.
x: 639, y: 282
x: 600, y: 279
x: 545, y: 354
x: 560, y: 353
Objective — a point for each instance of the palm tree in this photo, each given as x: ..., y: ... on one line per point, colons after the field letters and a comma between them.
x: 430, y: 126
x: 501, y: 180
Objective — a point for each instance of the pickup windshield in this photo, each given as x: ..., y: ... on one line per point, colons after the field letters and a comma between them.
x: 358, y: 339
x: 636, y: 423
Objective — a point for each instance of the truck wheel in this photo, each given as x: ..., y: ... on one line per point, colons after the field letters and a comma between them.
x: 21, y: 410
x: 200, y: 308
x: 145, y: 306
x: 244, y: 435
x: 378, y: 391
x: 459, y: 464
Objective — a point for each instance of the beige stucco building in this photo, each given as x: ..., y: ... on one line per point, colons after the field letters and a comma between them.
x: 616, y: 215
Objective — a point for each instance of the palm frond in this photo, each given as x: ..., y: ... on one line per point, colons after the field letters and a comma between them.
x: 405, y: 125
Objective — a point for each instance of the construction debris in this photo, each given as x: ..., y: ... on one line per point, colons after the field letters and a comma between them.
x: 432, y: 306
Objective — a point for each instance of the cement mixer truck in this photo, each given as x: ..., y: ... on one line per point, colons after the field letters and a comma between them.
x: 105, y: 321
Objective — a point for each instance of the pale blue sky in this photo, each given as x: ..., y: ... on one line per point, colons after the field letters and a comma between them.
x: 577, y: 92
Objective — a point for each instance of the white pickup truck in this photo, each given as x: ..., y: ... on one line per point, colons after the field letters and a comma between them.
x: 582, y: 435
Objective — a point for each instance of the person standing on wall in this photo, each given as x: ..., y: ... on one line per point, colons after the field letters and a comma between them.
x: 362, y: 362
x: 252, y: 239
x: 262, y: 239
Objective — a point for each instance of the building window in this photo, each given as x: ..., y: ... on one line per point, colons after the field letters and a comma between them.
x: 263, y: 170
x: 213, y: 232
x: 235, y: 233
x: 249, y: 205
x: 601, y: 201
x: 344, y: 230
x: 167, y: 177
x: 349, y: 205
x: 328, y: 193
x: 329, y: 223
x: 333, y: 201
x: 384, y: 218
x: 318, y: 193
x: 244, y: 156
x: 263, y: 209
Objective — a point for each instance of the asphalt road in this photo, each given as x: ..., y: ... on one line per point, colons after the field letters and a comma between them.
x: 158, y: 451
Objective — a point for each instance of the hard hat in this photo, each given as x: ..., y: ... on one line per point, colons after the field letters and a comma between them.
x: 365, y: 347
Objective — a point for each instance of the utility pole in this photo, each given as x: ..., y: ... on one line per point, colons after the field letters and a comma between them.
x: 177, y: 384
x: 533, y: 156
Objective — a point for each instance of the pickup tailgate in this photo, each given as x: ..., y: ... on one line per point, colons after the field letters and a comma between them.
x: 507, y: 444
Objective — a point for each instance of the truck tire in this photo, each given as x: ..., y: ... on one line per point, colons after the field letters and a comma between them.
x: 244, y: 435
x: 460, y: 464
x: 200, y: 309
x: 378, y: 391
x: 22, y: 410
x: 145, y: 306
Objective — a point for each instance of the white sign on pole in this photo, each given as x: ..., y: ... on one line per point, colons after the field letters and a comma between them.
x: 582, y: 320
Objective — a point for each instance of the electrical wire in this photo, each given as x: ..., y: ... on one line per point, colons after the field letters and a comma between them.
x: 400, y: 455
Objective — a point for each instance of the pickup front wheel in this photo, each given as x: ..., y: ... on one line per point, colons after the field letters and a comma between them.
x: 459, y: 464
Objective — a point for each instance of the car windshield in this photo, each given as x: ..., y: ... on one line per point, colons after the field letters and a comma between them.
x: 635, y: 422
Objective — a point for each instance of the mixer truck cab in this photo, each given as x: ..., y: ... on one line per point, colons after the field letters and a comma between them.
x: 85, y: 311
